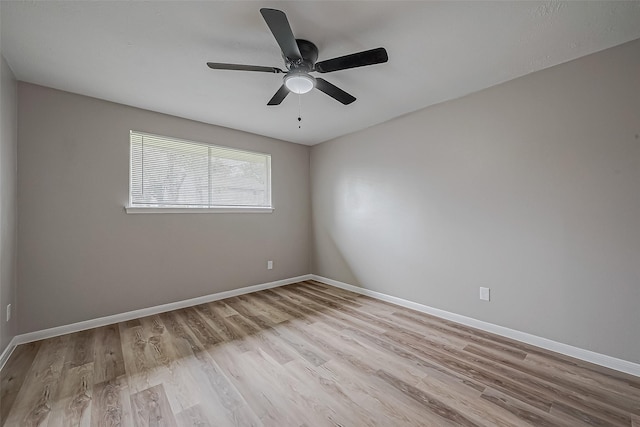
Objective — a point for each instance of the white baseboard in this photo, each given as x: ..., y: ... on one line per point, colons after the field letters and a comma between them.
x: 6, y: 353
x: 135, y: 314
x: 568, y: 350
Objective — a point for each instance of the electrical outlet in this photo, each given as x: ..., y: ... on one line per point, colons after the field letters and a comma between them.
x: 269, y: 265
x: 485, y: 294
x: 8, y: 312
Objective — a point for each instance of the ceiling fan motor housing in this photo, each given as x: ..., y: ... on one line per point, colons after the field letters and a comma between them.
x: 309, y: 52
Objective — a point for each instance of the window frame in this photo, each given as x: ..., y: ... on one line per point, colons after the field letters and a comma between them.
x: 130, y: 208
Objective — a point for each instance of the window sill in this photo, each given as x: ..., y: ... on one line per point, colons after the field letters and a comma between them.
x: 220, y: 209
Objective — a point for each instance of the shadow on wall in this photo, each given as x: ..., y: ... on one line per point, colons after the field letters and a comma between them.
x: 338, y: 260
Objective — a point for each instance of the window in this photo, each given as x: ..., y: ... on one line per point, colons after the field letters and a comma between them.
x: 174, y: 175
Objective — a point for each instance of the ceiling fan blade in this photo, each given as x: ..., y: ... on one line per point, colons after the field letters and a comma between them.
x: 279, y: 26
x: 360, y: 59
x: 240, y: 67
x: 334, y: 91
x: 280, y: 95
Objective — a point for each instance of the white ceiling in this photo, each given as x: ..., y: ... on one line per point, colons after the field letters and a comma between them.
x: 152, y: 55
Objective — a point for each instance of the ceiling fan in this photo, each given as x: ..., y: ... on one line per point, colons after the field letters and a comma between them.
x: 300, y: 59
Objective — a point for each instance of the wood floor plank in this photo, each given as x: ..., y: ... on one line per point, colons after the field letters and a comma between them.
x: 151, y: 408
x: 437, y: 325
x: 336, y: 297
x: 466, y: 336
x: 82, y: 348
x: 263, y: 396
x: 111, y: 404
x: 266, y: 309
x: 324, y: 309
x: 72, y: 406
x: 392, y: 405
x: 206, y: 334
x: 526, y: 413
x: 408, y: 371
x: 338, y: 395
x: 434, y: 404
x: 305, y: 354
x: 140, y: 365
x: 215, y: 318
x: 293, y: 392
x: 541, y: 387
x: 621, y: 401
x: 343, y: 332
x: 577, y: 416
x: 195, y: 416
x: 270, y: 341
x: 38, y: 393
x: 352, y: 362
x: 220, y: 402
x: 409, y: 327
x: 286, y: 305
x: 222, y: 308
x: 172, y: 370
x: 487, y: 339
x: 423, y: 367
x: 464, y: 400
x: 582, y: 375
x: 13, y: 375
x: 108, y: 360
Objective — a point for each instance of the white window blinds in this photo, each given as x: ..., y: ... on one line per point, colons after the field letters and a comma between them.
x: 171, y: 173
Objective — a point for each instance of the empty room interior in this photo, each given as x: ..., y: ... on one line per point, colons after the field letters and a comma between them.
x: 320, y: 213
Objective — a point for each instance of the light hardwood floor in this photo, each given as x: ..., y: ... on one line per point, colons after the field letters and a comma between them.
x: 305, y: 355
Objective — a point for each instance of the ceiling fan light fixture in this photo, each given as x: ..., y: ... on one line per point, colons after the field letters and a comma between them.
x: 299, y: 83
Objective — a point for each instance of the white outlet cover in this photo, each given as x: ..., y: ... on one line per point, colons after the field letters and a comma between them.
x: 269, y: 265
x: 8, y: 312
x: 485, y: 294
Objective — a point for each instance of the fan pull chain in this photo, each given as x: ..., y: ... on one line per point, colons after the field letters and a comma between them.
x: 299, y: 111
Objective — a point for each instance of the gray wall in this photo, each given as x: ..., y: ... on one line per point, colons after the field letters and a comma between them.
x: 531, y: 188
x: 80, y: 256
x: 8, y: 200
